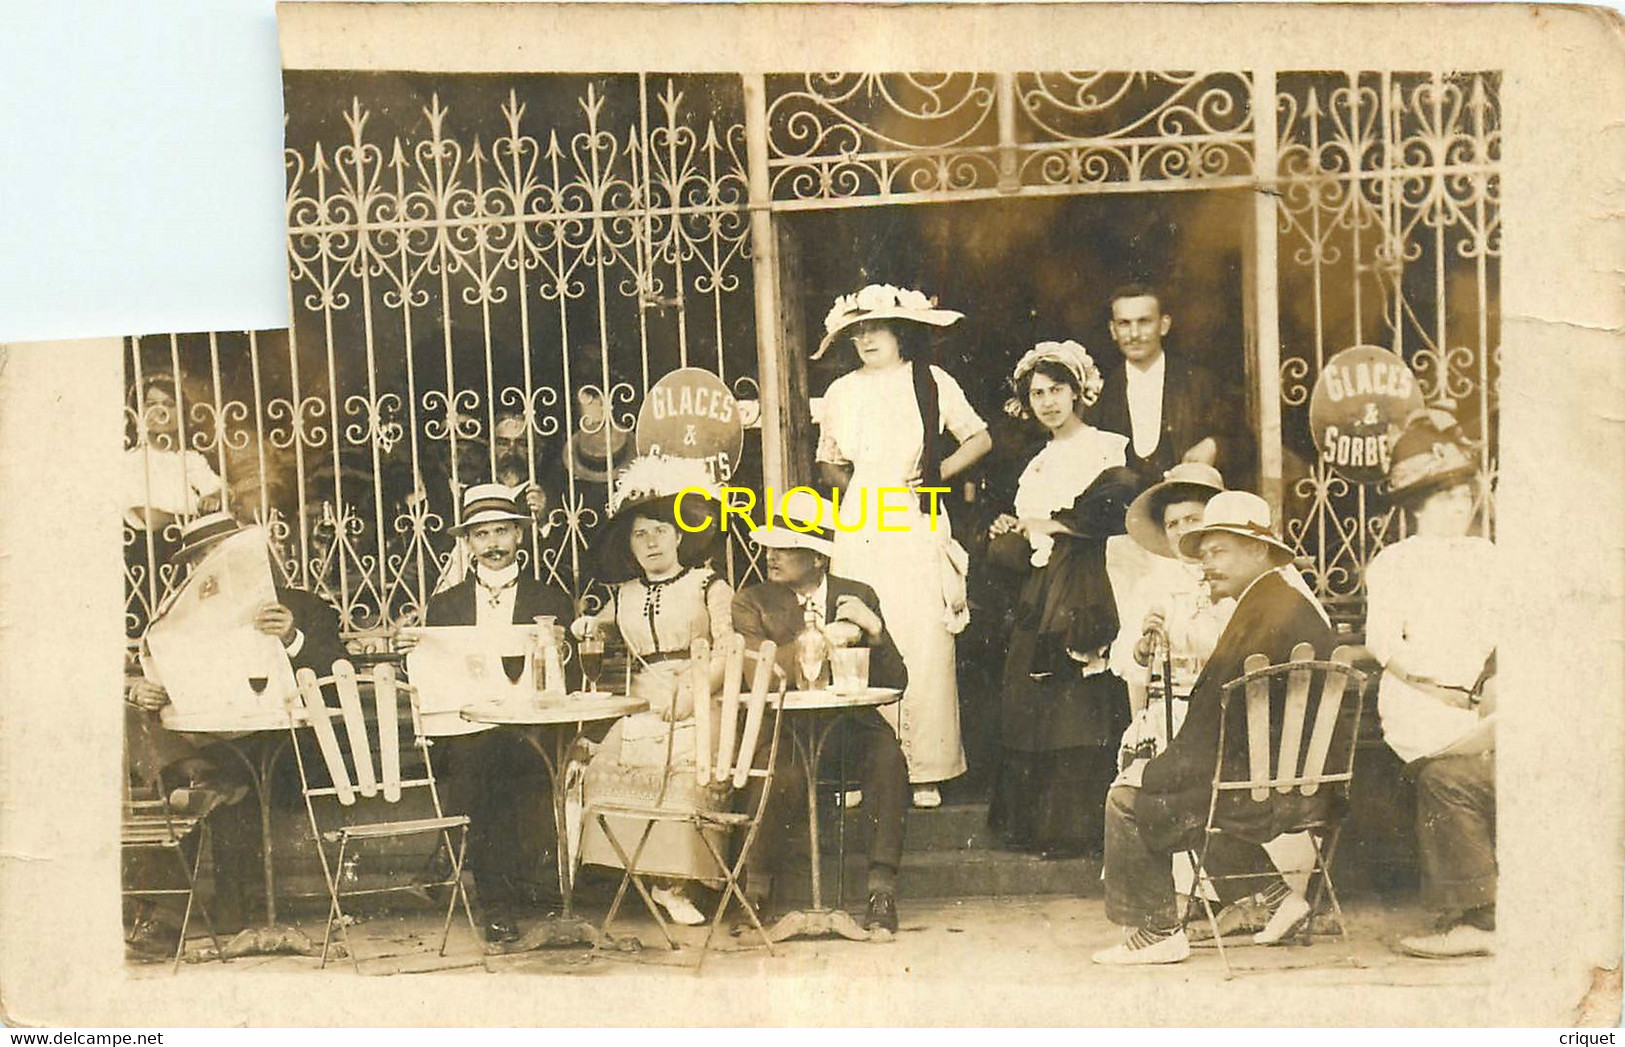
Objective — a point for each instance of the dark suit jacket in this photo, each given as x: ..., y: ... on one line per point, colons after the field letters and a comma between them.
x: 1194, y: 406
x: 317, y: 619
x: 455, y: 606
x: 770, y: 611
x: 1271, y: 618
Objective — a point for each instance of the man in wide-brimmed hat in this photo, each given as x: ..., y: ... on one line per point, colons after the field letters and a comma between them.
x: 1242, y: 559
x: 799, y: 589
x: 478, y: 772
x: 1433, y: 618
x: 197, y: 774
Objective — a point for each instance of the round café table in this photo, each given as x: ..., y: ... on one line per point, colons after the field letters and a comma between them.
x: 813, y: 714
x: 551, y: 728
x: 258, y: 741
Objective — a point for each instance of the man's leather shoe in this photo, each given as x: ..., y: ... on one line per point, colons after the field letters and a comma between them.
x: 881, y: 913
x: 501, y: 931
x: 149, y: 939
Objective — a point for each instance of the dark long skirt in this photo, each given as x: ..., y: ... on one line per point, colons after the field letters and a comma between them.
x: 1053, y: 801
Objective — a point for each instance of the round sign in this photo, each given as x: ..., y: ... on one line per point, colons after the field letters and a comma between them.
x: 1361, y: 400
x: 690, y: 414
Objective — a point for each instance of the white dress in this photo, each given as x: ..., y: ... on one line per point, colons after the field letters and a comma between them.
x: 871, y: 422
x: 1434, y: 603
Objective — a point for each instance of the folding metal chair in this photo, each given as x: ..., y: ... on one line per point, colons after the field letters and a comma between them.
x: 739, y: 757
x: 366, y: 769
x: 1290, y: 762
x: 150, y: 824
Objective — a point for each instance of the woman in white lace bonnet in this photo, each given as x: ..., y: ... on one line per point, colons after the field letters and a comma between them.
x: 884, y: 424
x: 1061, y: 711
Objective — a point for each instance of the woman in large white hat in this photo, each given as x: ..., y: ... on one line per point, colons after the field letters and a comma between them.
x: 1061, y: 711
x: 886, y: 424
x: 1433, y: 614
x: 663, y: 596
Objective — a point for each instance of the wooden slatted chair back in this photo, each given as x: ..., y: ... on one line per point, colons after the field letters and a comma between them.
x: 366, y: 761
x: 741, y: 714
x: 1282, y: 761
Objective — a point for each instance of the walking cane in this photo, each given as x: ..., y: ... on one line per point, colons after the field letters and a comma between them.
x: 1167, y: 689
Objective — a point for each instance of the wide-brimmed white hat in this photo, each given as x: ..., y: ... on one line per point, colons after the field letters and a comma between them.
x: 1235, y: 512
x: 805, y: 521
x: 491, y: 503
x: 1185, y: 482
x: 882, y: 302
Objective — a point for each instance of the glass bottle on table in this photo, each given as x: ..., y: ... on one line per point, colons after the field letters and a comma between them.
x: 590, y: 649
x: 812, y: 653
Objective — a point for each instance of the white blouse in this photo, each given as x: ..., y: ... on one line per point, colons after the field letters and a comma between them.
x: 870, y: 421
x: 1435, y: 604
x: 1061, y: 470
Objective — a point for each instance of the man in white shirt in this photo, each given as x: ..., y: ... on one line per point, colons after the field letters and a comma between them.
x: 1171, y: 412
x: 478, y: 772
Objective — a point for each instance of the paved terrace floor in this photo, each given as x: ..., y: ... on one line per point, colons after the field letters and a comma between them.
x: 962, y: 961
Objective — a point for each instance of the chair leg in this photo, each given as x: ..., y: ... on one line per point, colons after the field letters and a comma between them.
x: 335, y: 911
x: 1200, y: 880
x: 1323, y: 861
x: 457, y: 891
x: 631, y: 874
x: 730, y: 891
x: 186, y: 914
x: 202, y: 908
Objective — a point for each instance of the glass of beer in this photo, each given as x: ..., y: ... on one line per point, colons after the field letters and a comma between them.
x: 590, y: 650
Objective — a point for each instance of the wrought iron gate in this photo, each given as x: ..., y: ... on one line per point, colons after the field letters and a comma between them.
x: 469, y: 253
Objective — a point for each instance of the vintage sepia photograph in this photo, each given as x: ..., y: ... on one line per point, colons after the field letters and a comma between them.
x: 764, y: 500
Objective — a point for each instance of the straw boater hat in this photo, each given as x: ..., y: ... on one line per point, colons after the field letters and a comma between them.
x: 805, y: 521
x: 1235, y: 512
x: 1185, y: 482
x: 203, y: 533
x: 491, y: 503
x: 1430, y: 455
x: 650, y: 487
x: 882, y: 302
x: 1070, y: 355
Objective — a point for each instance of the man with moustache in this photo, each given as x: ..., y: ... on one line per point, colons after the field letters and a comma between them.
x: 799, y: 585
x: 476, y: 771
x: 1171, y: 410
x: 1160, y: 806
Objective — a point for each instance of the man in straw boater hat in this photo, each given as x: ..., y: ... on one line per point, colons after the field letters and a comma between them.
x: 1166, y: 810
x: 200, y: 777
x: 479, y: 772
x: 1435, y: 603
x: 800, y: 590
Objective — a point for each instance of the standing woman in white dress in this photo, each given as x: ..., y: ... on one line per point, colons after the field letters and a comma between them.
x: 885, y: 425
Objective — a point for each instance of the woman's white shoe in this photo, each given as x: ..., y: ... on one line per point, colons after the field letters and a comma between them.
x: 677, y: 906
x: 927, y: 796
x: 1289, y: 916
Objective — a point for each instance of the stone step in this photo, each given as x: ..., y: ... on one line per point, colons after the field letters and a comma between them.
x: 963, y: 873
x: 951, y: 827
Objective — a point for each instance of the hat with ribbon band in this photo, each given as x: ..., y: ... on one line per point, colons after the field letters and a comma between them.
x: 1235, y: 512
x: 491, y: 503
x: 201, y: 534
x: 805, y: 521
x: 1185, y: 482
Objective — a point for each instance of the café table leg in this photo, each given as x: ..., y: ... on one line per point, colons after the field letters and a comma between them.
x: 269, y: 937
x: 817, y: 922
x: 565, y: 928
